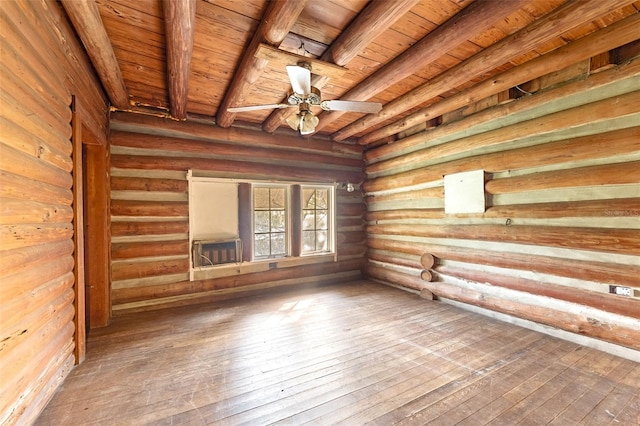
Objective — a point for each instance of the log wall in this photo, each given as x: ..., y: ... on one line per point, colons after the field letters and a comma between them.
x: 41, y: 67
x: 150, y: 158
x: 562, y: 188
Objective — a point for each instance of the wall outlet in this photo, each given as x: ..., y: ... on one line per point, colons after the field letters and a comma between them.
x: 620, y: 291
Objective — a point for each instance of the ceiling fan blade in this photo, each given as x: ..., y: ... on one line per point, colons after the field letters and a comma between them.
x: 300, y: 79
x: 352, y: 106
x: 258, y: 107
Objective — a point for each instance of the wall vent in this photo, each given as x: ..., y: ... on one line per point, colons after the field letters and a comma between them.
x: 216, y: 252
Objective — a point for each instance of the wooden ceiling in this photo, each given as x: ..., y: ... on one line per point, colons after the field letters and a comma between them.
x: 192, y: 59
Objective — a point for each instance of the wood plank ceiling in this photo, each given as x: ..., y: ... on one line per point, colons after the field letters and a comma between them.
x: 193, y: 59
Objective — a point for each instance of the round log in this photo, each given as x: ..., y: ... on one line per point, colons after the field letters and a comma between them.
x: 426, y: 275
x: 427, y: 260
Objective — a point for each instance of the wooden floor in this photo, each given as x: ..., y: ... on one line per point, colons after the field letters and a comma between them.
x: 342, y: 354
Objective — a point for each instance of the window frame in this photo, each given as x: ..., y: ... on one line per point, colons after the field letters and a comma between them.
x: 287, y: 218
x: 247, y: 261
x: 331, y: 219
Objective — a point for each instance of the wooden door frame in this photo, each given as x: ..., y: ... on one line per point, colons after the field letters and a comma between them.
x: 80, y: 335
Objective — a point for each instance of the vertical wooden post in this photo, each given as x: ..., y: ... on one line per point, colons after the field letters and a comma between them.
x: 98, y: 234
x: 245, y: 213
x: 78, y: 229
x: 296, y: 220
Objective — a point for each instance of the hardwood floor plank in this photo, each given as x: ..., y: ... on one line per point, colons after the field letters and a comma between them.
x: 472, y: 395
x: 349, y: 354
x: 567, y: 355
x: 559, y: 402
x: 579, y: 411
x: 363, y: 365
x: 630, y: 413
x: 546, y: 389
x: 475, y: 368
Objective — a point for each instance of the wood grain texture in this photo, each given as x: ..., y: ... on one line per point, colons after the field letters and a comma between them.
x: 472, y: 20
x: 86, y: 20
x: 349, y: 354
x: 278, y: 20
x: 601, y: 272
x: 560, y: 224
x: 43, y: 65
x: 150, y: 212
x: 543, y: 30
x: 372, y: 21
x: 604, y: 40
x: 577, y: 321
x: 180, y: 20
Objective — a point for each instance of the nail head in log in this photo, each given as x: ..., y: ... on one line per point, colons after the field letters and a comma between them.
x: 427, y: 260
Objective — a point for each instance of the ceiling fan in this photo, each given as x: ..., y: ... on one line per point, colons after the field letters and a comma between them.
x: 303, y: 95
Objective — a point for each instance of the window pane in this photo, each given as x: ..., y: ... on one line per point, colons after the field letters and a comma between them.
x: 261, y: 198
x: 277, y: 198
x: 278, y: 246
x: 277, y: 221
x: 261, y: 219
x: 308, y: 219
x: 308, y: 241
x: 270, y: 221
x: 316, y: 220
x: 321, y: 241
x: 308, y: 198
x: 262, y: 247
x: 322, y: 196
x: 321, y: 219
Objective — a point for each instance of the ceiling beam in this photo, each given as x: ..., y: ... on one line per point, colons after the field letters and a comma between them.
x: 85, y: 17
x: 179, y: 24
x: 552, y: 25
x: 604, y: 40
x: 274, y: 27
x: 283, y: 58
x: 377, y: 17
x: 463, y: 26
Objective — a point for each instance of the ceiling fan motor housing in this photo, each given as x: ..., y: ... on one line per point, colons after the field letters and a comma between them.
x: 313, y: 98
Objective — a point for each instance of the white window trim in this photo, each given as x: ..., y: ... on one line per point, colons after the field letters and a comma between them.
x: 332, y: 219
x: 287, y: 210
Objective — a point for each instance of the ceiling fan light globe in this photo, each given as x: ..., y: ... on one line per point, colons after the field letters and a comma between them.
x: 293, y: 121
x: 308, y: 123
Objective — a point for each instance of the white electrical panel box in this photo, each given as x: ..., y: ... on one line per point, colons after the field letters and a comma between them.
x: 464, y: 192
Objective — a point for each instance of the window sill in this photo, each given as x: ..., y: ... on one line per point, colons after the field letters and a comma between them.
x: 227, y: 270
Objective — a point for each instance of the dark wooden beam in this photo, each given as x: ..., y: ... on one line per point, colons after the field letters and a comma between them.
x: 179, y: 24
x: 140, y: 123
x: 553, y: 25
x: 469, y: 22
x: 276, y: 22
x: 601, y: 41
x: 85, y: 17
x: 373, y: 20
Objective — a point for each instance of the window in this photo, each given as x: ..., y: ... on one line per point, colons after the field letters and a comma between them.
x: 270, y: 213
x: 310, y: 233
x: 316, y: 237
x: 239, y: 221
